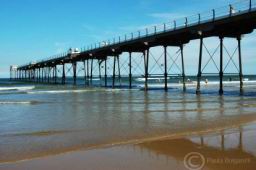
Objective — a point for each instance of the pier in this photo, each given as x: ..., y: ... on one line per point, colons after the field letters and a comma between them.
x: 232, y: 21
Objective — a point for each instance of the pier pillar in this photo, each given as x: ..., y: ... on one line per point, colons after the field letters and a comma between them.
x: 146, y: 61
x: 183, y: 68
x: 240, y: 64
x: 21, y: 73
x: 74, y: 64
x: 106, y: 76
x: 119, y: 71
x: 99, y: 71
x: 30, y: 75
x: 34, y: 75
x: 45, y: 74
x: 199, y: 75
x: 63, y: 74
x: 53, y: 74
x: 42, y: 76
x: 165, y: 69
x: 49, y: 74
x: 85, y: 73
x: 221, y: 66
x: 114, y: 73
x: 130, y: 70
x: 91, y: 71
x: 26, y: 74
x: 39, y: 75
x: 56, y: 74
x: 88, y: 72
x: 17, y: 74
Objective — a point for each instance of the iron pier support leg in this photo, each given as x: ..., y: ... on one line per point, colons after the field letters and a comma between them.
x: 39, y: 75
x: 85, y: 74
x: 53, y: 73
x: 42, y: 78
x: 130, y: 70
x: 34, y: 75
x: 183, y: 68
x: 119, y: 71
x: 49, y: 74
x: 74, y: 64
x: 114, y: 73
x: 56, y: 75
x: 30, y: 75
x: 100, y: 72
x: 221, y: 66
x: 46, y: 74
x: 42, y: 75
x: 88, y: 72
x: 63, y: 74
x: 199, y: 75
x: 91, y: 71
x: 165, y: 69
x: 146, y: 61
x: 27, y: 75
x: 240, y: 64
x: 106, y: 76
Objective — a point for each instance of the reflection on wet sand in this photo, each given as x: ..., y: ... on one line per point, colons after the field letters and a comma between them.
x: 225, y: 150
x: 231, y: 149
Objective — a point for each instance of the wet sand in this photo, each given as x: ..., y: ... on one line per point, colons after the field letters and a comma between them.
x: 229, y: 149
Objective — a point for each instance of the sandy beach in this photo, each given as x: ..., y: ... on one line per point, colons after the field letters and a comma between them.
x: 229, y: 149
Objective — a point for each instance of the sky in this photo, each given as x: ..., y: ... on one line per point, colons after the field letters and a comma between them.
x: 36, y: 29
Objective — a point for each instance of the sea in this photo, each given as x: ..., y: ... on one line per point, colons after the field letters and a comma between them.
x: 38, y: 120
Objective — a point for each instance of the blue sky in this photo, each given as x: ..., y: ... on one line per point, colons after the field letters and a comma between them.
x: 36, y: 29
